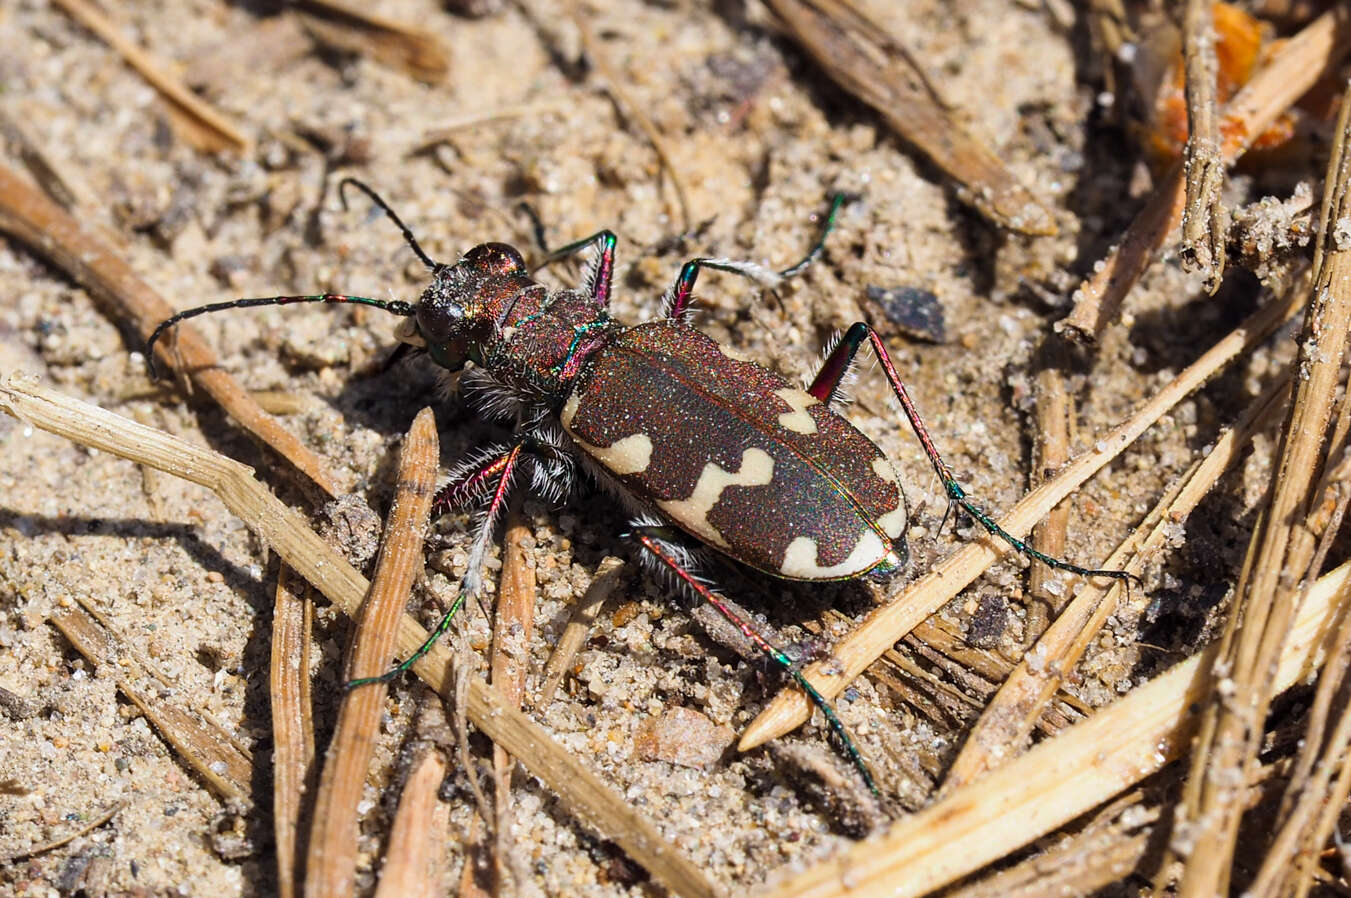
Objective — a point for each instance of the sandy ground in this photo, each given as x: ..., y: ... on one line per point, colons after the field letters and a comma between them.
x: 761, y: 138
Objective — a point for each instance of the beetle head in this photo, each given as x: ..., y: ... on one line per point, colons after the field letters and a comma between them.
x: 465, y: 304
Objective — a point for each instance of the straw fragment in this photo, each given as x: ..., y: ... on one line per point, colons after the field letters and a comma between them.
x: 579, y: 788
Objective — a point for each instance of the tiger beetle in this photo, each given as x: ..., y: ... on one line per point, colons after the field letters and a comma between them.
x: 709, y: 449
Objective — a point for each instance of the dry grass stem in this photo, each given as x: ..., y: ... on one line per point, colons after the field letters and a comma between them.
x: 200, y: 123
x: 885, y: 625
x: 58, y: 185
x: 614, y: 86
x: 469, y: 878
x: 448, y: 130
x: 513, y: 631
x: 207, y: 747
x: 349, y: 27
x: 330, y: 868
x: 609, y: 574
x: 292, y: 721
x: 1205, y: 222
x: 1056, y: 781
x: 1279, y: 554
x: 287, y: 533
x: 66, y: 839
x: 1054, y: 414
x: 1305, y: 824
x: 1300, y: 63
x: 30, y: 217
x: 1103, y: 853
x: 415, y: 861
x: 869, y: 63
x: 1008, y: 719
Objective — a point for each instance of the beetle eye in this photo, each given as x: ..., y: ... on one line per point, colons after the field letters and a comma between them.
x: 498, y: 258
x: 437, y: 320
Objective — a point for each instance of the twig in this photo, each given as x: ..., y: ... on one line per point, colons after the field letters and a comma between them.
x: 415, y: 50
x: 609, y: 574
x: 330, y: 868
x: 885, y: 625
x: 69, y: 837
x: 1278, y: 554
x: 1205, y: 223
x: 1057, y: 780
x: 417, y: 841
x: 207, y: 747
x: 1008, y: 719
x: 871, y: 64
x: 513, y: 631
x: 447, y: 130
x: 614, y: 86
x: 292, y: 721
x: 1052, y: 449
x: 1297, y: 67
x: 284, y: 531
x: 204, y: 127
x: 1287, y: 868
x: 29, y: 216
x: 1082, y: 864
x: 57, y: 184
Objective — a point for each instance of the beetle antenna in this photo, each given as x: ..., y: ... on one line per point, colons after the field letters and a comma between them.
x: 393, y: 216
x: 394, y: 307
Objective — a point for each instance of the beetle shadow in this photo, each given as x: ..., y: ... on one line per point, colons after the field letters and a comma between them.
x: 237, y: 577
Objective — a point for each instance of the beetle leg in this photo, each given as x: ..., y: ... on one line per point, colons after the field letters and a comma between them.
x: 678, y: 297
x: 655, y: 541
x: 600, y: 270
x: 502, y: 467
x: 471, y: 478
x: 823, y: 388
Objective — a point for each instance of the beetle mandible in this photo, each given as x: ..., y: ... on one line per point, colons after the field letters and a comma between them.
x: 708, y: 448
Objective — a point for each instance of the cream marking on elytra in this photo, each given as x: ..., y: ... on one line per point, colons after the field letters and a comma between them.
x: 757, y: 469
x: 630, y: 455
x: 799, y: 401
x: 569, y: 412
x: 893, y: 522
x: 799, y: 560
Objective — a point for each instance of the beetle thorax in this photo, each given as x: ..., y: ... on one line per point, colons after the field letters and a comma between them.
x: 527, y: 344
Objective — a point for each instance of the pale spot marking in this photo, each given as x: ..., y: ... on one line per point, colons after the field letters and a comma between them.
x: 733, y: 354
x: 757, y: 469
x: 630, y: 455
x: 799, y: 401
x: 893, y: 522
x: 800, y: 559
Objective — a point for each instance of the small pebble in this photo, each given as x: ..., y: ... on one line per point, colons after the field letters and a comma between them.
x: 681, y: 736
x: 916, y: 313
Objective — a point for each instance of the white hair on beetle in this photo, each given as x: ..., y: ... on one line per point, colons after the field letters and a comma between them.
x: 492, y: 398
x: 591, y: 272
x: 850, y: 377
x: 761, y: 274
x: 693, y: 559
x: 474, y: 461
x: 487, y: 524
x: 553, y: 474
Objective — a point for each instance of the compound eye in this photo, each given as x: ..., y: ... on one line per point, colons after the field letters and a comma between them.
x: 437, y: 320
x: 497, y: 258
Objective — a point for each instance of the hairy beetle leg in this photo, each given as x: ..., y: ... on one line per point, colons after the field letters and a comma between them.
x: 457, y: 492
x: 680, y: 294
x: 827, y: 382
x: 600, y: 271
x: 651, y: 539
